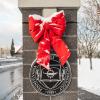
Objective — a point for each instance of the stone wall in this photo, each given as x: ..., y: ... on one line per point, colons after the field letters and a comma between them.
x: 29, y: 54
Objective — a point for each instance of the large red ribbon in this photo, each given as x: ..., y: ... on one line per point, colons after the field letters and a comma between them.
x: 48, y: 32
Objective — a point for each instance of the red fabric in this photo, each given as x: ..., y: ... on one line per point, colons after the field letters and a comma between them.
x: 49, y: 33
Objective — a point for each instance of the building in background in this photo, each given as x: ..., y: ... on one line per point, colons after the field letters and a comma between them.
x: 4, y: 52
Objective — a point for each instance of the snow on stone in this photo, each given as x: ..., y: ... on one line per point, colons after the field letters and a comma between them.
x: 89, y: 79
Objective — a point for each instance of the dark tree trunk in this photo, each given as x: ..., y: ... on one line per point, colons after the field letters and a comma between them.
x: 79, y: 60
x: 91, y: 67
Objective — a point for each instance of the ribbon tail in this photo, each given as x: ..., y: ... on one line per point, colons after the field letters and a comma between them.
x: 43, y: 53
x: 61, y: 50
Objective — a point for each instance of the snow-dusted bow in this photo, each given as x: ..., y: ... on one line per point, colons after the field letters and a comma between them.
x: 48, y: 32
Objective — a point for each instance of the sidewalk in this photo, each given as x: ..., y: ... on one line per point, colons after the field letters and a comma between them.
x: 85, y: 95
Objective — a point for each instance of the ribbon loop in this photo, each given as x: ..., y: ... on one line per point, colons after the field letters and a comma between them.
x: 48, y: 32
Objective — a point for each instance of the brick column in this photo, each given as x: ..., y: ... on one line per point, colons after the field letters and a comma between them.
x: 29, y: 54
x: 70, y: 7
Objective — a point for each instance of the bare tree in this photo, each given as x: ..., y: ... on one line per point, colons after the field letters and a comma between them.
x: 79, y: 52
x: 89, y: 29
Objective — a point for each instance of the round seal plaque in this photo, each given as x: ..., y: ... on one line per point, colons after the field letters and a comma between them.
x: 50, y: 82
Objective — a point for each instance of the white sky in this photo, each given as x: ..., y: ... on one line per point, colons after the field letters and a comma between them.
x: 10, y: 23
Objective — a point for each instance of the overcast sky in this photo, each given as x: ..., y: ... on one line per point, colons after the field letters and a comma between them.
x: 10, y: 23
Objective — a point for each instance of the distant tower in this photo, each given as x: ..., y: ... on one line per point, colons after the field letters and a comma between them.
x: 12, y: 51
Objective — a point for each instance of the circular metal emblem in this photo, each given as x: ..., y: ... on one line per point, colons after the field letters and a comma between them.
x: 50, y: 82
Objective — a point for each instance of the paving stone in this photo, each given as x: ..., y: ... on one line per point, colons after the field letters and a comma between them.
x: 29, y: 57
x: 29, y: 44
x: 30, y: 11
x: 71, y: 14
x: 27, y: 86
x: 35, y: 96
x: 65, y: 96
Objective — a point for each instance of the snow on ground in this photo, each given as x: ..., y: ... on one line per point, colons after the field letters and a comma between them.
x: 11, y: 62
x: 10, y: 59
x: 21, y: 97
x: 89, y: 79
x: 10, y: 65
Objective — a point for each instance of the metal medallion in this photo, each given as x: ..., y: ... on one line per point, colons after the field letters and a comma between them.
x: 50, y: 82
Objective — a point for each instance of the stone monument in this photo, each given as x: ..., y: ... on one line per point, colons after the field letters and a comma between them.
x: 46, y: 8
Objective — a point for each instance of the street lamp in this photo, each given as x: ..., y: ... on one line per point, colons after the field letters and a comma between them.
x: 98, y: 7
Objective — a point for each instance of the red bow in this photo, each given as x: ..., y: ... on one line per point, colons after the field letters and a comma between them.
x: 48, y: 32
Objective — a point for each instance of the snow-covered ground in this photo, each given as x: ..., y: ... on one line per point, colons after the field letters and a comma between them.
x: 8, y: 63
x: 4, y: 68
x: 9, y: 60
x: 89, y: 79
x: 21, y: 97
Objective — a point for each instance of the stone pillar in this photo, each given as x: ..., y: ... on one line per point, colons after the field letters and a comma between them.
x: 29, y: 47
